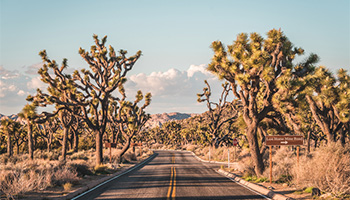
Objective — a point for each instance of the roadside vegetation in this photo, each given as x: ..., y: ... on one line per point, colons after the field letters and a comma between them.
x: 264, y: 92
x: 273, y: 95
x: 19, y: 175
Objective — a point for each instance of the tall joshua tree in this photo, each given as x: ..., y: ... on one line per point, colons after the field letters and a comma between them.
x: 129, y: 117
x: 216, y: 112
x: 252, y: 66
x: 290, y: 100
x: 9, y: 128
x: 329, y: 102
x: 31, y: 117
x: 90, y: 90
x: 28, y: 113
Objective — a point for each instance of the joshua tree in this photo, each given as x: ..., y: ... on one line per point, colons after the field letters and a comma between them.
x: 47, y: 130
x: 90, y: 90
x: 129, y: 117
x: 253, y: 65
x: 28, y: 113
x: 9, y: 128
x: 216, y: 116
x: 329, y: 102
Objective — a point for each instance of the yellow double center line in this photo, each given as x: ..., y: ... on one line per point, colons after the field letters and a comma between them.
x: 172, y: 184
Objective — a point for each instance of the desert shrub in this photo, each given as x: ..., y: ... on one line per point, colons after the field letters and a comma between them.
x: 253, y: 178
x: 129, y: 156
x: 67, y: 186
x: 284, y: 178
x: 79, y: 155
x: 328, y: 169
x: 146, y: 152
x: 191, y: 147
x: 15, y: 182
x: 81, y: 169
x: 283, y: 160
x: 86, y: 143
x: 4, y: 158
x: 247, y: 166
x: 22, y: 177
x: 308, y: 189
x: 101, y: 169
x: 65, y: 175
x: 44, y: 154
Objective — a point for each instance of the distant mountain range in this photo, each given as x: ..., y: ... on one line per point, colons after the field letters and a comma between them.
x: 159, y: 119
x: 156, y: 119
x: 13, y: 117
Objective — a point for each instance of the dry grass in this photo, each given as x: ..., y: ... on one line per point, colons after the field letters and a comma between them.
x: 18, y: 175
x: 283, y: 160
x: 34, y: 175
x: 67, y: 186
x: 328, y: 169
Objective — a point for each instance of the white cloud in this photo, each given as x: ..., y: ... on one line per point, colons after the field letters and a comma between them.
x: 33, y: 69
x: 7, y: 74
x: 6, y: 88
x: 12, y: 88
x: 197, y: 69
x: 13, y: 91
x: 173, y: 90
x: 21, y: 93
x: 35, y: 83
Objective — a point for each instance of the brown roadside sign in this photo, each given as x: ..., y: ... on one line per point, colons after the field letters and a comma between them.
x: 110, y: 145
x: 136, y: 144
x: 272, y: 140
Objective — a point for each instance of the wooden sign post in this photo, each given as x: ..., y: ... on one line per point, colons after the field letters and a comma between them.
x: 137, y: 145
x: 270, y: 164
x: 235, y: 143
x: 283, y: 140
x: 110, y: 145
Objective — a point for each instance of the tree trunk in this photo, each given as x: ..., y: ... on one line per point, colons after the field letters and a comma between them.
x: 316, y: 140
x: 17, y: 148
x: 49, y: 142
x: 125, y: 148
x: 254, y: 149
x: 99, y: 147
x: 70, y: 142
x: 75, y: 141
x: 64, y: 143
x: 308, y: 141
x: 9, y: 144
x: 323, y: 123
x: 48, y: 146
x: 30, y: 141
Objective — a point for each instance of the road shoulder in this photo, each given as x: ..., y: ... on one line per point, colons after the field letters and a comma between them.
x: 102, y: 181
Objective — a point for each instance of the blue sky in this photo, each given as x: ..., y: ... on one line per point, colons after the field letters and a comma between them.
x: 174, y: 37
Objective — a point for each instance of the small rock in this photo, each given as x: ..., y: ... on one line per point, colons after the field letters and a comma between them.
x: 316, y: 192
x: 270, y: 188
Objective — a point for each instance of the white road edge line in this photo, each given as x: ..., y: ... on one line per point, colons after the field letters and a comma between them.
x: 109, y: 180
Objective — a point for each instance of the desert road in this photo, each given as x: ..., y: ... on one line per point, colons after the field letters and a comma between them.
x: 172, y: 175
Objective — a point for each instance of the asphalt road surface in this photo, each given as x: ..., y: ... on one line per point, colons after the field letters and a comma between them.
x: 172, y: 175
